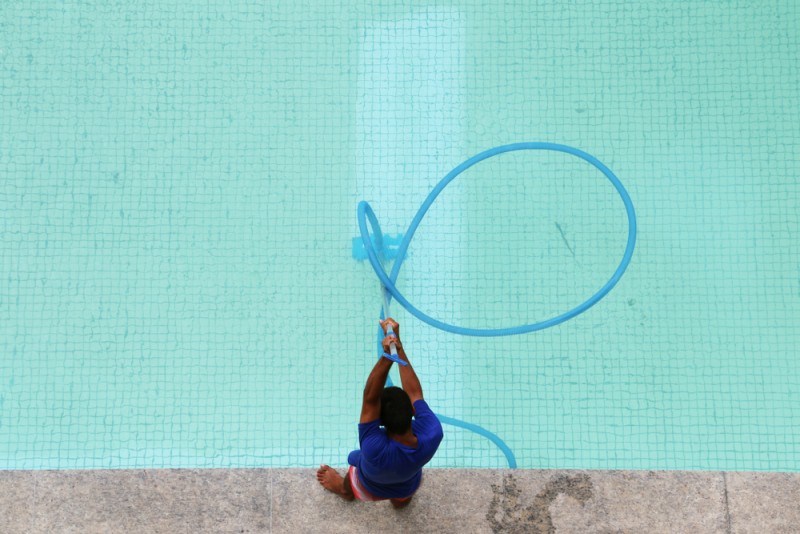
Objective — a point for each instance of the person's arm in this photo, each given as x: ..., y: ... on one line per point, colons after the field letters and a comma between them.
x: 408, y: 377
x: 371, y: 405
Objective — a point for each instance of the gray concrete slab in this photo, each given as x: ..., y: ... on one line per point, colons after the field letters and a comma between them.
x: 764, y: 502
x: 17, y: 491
x: 450, y: 500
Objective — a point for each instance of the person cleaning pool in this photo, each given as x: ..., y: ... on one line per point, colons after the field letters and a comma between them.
x: 389, y: 463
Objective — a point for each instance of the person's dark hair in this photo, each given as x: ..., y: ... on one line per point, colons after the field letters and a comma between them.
x: 396, y: 410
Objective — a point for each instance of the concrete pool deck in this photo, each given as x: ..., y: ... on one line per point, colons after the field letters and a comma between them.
x: 450, y: 500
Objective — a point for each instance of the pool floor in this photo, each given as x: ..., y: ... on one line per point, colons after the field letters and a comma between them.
x: 178, y: 285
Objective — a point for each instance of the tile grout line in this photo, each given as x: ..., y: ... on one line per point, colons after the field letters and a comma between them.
x: 727, y: 506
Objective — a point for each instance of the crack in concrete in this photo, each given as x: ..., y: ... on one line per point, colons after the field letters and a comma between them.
x: 727, y: 507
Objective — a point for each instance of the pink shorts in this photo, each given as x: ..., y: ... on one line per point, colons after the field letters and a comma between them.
x: 361, y: 492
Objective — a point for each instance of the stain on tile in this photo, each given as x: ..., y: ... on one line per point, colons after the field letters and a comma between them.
x: 508, y: 511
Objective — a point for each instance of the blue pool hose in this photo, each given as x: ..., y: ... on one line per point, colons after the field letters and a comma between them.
x: 388, y: 281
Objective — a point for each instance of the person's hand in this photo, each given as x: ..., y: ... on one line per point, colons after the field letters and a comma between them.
x: 391, y: 322
x: 388, y: 340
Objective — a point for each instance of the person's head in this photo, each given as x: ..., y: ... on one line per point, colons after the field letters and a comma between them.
x: 396, y: 410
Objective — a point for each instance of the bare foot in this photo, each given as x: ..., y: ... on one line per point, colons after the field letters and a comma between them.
x: 333, y: 481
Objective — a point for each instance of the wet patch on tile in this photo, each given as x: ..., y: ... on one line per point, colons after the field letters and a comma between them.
x: 510, y: 511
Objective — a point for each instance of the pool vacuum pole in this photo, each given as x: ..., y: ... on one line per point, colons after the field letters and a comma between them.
x: 389, y: 330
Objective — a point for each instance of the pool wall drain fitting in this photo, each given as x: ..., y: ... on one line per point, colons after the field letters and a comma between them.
x: 387, y: 247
